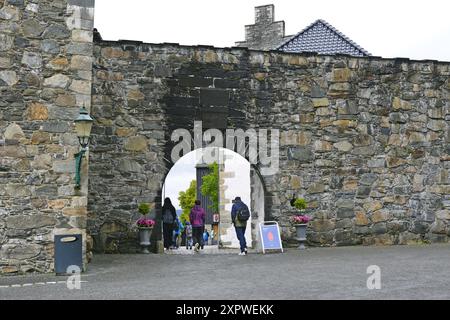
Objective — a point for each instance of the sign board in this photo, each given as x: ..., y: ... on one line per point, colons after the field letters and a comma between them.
x: 216, y: 218
x: 270, y: 236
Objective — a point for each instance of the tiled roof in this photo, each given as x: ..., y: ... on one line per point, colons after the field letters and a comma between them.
x: 323, y: 38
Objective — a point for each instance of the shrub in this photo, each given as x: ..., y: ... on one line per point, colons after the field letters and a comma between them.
x: 144, y: 208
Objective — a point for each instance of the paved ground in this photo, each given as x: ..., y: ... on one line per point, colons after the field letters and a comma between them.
x: 407, y: 272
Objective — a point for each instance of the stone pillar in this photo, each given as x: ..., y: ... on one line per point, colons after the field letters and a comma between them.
x: 80, y: 22
x: 45, y: 77
x: 256, y: 207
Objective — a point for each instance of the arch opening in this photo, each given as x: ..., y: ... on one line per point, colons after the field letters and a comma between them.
x: 237, y: 177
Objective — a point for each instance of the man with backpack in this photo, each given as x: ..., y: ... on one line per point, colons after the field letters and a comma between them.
x: 240, y: 215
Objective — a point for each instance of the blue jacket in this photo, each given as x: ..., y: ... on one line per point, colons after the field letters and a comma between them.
x: 236, y: 206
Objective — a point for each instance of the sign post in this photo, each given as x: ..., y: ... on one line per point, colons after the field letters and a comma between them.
x: 270, y: 236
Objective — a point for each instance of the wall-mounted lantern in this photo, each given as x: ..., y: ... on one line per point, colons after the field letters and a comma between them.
x: 83, y: 126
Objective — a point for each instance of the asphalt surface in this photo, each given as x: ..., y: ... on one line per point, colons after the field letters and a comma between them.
x: 407, y: 272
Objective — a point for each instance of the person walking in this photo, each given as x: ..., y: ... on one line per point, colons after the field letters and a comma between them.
x: 197, y: 218
x: 188, y: 232
x: 240, y: 215
x: 168, y: 218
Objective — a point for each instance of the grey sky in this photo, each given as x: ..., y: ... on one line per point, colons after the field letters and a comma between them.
x: 388, y: 28
x: 183, y: 172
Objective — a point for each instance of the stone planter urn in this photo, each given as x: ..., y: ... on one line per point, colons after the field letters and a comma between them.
x: 144, y: 238
x: 301, y: 235
x: 145, y: 227
x: 300, y: 220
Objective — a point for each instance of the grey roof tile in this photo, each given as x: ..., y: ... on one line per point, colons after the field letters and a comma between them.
x: 323, y: 38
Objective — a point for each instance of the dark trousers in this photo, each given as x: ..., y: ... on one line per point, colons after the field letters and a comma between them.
x: 240, y: 233
x: 197, y: 234
x: 167, y: 234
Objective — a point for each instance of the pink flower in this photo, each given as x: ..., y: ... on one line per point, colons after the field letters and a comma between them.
x: 145, y: 223
x: 299, y: 219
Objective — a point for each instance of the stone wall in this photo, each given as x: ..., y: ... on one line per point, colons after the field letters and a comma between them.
x: 45, y: 77
x: 364, y: 140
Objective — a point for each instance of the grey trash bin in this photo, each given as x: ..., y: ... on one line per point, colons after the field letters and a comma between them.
x: 68, y: 252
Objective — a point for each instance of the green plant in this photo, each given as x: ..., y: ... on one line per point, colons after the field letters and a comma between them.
x: 187, y: 200
x: 210, y: 186
x: 144, y: 208
x: 300, y: 204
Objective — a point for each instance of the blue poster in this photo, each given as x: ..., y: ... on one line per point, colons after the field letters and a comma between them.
x: 270, y: 236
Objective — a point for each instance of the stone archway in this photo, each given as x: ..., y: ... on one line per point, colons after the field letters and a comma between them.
x: 230, y: 171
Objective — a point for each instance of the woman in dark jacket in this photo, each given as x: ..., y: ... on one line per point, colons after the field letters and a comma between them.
x: 169, y: 216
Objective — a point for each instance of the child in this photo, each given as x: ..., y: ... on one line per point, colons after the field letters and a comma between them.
x: 205, y: 237
x: 177, y: 229
x: 189, y: 240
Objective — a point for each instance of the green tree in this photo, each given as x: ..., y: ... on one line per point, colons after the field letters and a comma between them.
x: 210, y: 186
x: 187, y: 200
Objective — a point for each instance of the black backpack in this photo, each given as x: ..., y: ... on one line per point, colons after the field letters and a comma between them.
x: 243, y: 214
x: 167, y: 216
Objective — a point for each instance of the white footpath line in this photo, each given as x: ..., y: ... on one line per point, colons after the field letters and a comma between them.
x: 36, y: 283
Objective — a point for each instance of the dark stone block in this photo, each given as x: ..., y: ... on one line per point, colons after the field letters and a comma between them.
x: 368, y: 179
x: 300, y: 154
x: 81, y: 3
x: 98, y: 130
x: 214, y: 97
x: 264, y: 104
x: 398, y: 226
x: 57, y: 31
x: 181, y: 102
x: 21, y: 42
x: 397, y: 117
x: 363, y: 192
x: 195, y: 82
x: 343, y: 235
x: 17, y: 3
x: 404, y: 190
x: 215, y: 109
x: 188, y: 111
x: 55, y: 127
x: 342, y: 213
x: 317, y: 92
x: 379, y: 228
x: 361, y: 230
x: 214, y: 120
x: 162, y: 71
x: 336, y: 182
x: 109, y: 131
x: 152, y: 125
x: 386, y: 131
x: 236, y: 113
x: 47, y: 191
x: 224, y: 83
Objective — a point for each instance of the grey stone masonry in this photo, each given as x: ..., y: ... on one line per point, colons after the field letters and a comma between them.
x: 365, y: 140
x: 45, y: 77
x: 265, y: 34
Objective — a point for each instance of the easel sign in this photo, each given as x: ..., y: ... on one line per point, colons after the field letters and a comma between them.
x: 270, y: 236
